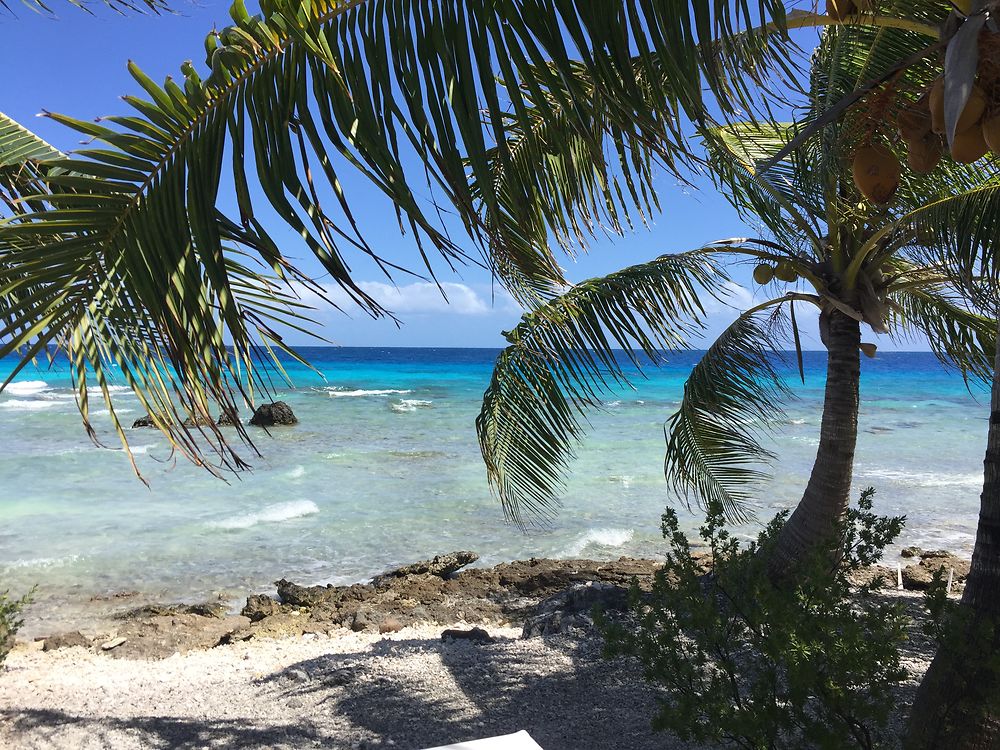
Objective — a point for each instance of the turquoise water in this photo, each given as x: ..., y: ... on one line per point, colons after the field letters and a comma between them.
x: 384, y: 469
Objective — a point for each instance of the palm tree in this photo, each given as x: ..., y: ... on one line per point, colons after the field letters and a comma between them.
x: 131, y: 263
x: 861, y: 262
x: 562, y: 358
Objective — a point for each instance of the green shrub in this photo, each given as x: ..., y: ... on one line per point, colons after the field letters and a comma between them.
x: 743, y: 662
x: 10, y: 620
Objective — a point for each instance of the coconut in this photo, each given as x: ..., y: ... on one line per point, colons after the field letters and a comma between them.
x: 840, y: 9
x: 974, y: 107
x: 991, y: 132
x: 914, y: 120
x: 924, y: 154
x: 785, y: 271
x: 969, y: 146
x: 935, y: 102
x: 763, y: 274
x: 876, y: 172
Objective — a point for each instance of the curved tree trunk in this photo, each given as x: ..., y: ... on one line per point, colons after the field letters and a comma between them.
x: 958, y: 702
x: 827, y: 495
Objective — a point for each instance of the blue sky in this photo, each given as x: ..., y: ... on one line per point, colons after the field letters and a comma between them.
x: 75, y: 64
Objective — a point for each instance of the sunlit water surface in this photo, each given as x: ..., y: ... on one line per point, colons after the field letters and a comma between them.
x: 384, y: 469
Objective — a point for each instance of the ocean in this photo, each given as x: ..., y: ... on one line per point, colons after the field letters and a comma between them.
x: 384, y: 469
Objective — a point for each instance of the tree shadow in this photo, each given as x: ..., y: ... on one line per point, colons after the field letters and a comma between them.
x: 47, y: 725
x: 483, y: 690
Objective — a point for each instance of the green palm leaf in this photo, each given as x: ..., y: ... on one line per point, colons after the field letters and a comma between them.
x: 730, y: 397
x: 130, y: 261
x: 565, y: 354
x: 959, y: 337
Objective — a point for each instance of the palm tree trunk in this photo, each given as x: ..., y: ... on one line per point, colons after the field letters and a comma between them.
x: 958, y: 702
x: 814, y: 522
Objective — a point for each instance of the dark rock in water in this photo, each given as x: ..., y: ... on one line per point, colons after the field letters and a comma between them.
x: 573, y: 608
x: 259, y: 606
x: 911, y: 552
x: 66, y: 640
x: 146, y: 421
x: 919, y: 576
x: 199, y: 420
x: 442, y: 566
x: 228, y: 419
x: 476, y: 635
x: 305, y: 596
x: 277, y: 413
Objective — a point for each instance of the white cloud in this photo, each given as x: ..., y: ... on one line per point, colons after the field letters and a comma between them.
x: 419, y: 297
x: 425, y: 297
x: 734, y: 298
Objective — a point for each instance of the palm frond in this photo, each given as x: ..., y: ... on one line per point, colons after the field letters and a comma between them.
x: 568, y: 352
x: 21, y: 153
x: 133, y: 257
x: 730, y: 398
x: 119, y: 6
x: 959, y: 337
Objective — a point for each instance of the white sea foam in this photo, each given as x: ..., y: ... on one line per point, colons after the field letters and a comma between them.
x: 625, y: 480
x: 16, y: 404
x: 107, y: 412
x: 361, y: 393
x: 410, y: 404
x: 111, y: 389
x: 26, y: 387
x: 42, y: 562
x: 297, y: 473
x: 271, y: 514
x: 924, y: 478
x: 606, y: 537
x: 138, y: 450
x: 612, y: 404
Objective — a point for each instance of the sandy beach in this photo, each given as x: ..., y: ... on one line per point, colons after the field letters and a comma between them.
x: 295, y: 678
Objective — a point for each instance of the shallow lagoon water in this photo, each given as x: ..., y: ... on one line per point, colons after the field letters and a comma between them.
x: 384, y: 469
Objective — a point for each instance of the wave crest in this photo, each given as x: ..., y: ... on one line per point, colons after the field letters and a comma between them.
x: 271, y: 514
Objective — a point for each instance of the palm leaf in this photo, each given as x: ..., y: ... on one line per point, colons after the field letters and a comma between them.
x: 960, y: 338
x: 731, y: 396
x: 568, y: 352
x: 131, y: 255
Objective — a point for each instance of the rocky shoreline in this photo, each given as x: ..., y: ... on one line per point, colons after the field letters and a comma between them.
x: 542, y: 596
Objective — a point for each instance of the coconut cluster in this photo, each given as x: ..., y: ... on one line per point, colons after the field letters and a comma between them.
x: 921, y: 125
x: 765, y: 273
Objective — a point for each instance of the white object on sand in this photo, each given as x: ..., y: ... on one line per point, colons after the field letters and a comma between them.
x: 517, y: 741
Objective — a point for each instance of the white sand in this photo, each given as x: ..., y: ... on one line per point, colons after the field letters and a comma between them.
x: 350, y: 690
x: 404, y: 690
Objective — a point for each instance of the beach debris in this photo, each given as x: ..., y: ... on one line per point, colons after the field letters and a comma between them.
x: 441, y: 565
x: 113, y: 643
x: 66, y: 640
x: 275, y: 413
x: 476, y: 635
x: 390, y: 625
x: 572, y: 609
